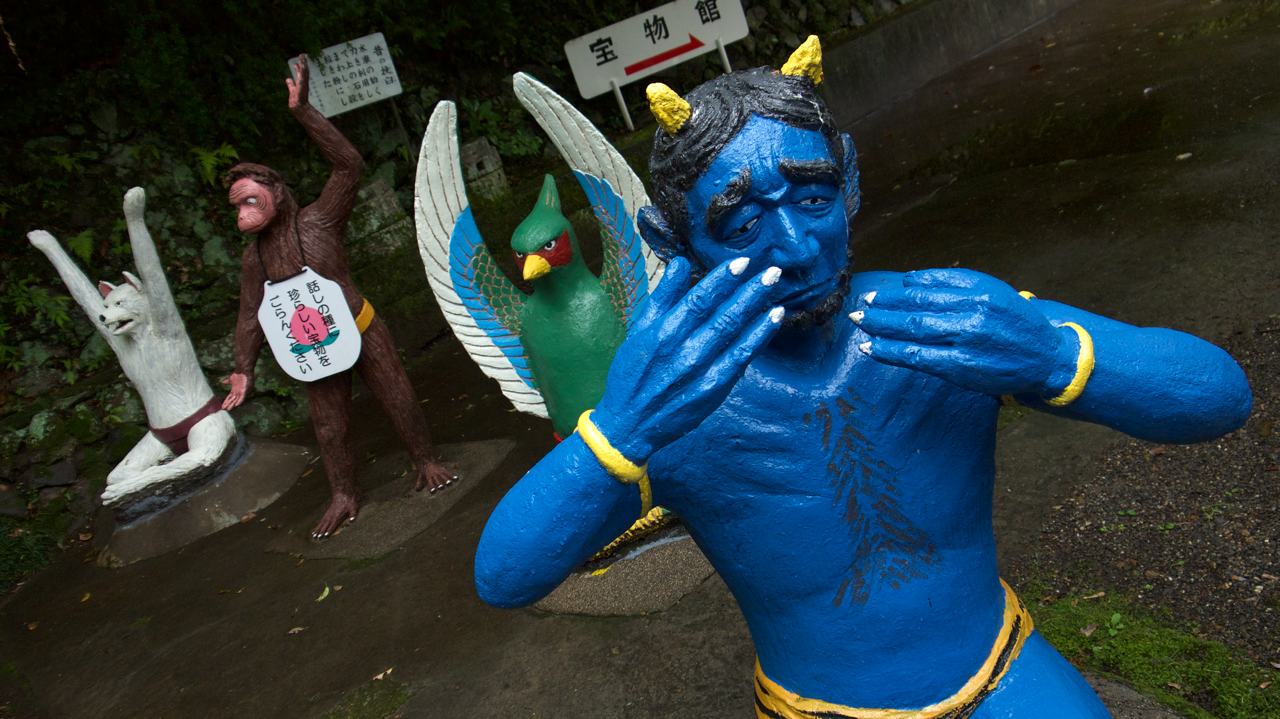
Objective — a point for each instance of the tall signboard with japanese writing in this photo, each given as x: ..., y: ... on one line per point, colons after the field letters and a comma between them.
x: 652, y: 41
x: 352, y: 74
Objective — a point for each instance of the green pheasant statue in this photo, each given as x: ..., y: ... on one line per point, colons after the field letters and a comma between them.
x: 549, y: 350
x: 570, y: 325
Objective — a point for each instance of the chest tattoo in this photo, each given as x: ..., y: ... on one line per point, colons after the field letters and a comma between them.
x: 887, y: 545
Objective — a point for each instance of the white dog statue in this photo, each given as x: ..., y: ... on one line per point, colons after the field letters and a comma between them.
x: 190, y: 435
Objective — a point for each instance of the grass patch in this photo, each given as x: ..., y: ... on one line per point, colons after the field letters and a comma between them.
x: 1198, y: 677
x: 379, y: 699
x: 27, y: 544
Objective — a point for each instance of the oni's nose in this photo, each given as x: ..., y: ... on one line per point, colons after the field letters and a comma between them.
x: 102, y: 318
x: 795, y: 246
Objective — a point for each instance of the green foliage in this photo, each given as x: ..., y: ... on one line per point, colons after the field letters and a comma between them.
x: 503, y: 121
x: 377, y: 699
x: 1198, y: 677
x: 81, y: 245
x: 211, y: 163
x: 26, y: 546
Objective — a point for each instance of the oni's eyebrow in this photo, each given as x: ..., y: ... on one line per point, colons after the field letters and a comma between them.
x: 721, y: 203
x: 824, y: 171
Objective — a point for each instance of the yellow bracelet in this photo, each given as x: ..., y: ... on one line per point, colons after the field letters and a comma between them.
x: 1084, y: 368
x: 622, y: 469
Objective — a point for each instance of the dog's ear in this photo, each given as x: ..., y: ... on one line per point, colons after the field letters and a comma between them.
x: 133, y: 280
x: 104, y: 288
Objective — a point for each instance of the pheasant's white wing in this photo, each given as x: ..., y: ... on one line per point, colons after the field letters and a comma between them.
x: 480, y: 303
x: 612, y: 187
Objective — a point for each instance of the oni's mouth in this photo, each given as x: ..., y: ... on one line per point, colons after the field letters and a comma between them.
x: 808, y: 295
x: 120, y: 326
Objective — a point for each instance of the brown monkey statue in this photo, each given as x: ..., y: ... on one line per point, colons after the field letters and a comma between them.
x: 304, y: 247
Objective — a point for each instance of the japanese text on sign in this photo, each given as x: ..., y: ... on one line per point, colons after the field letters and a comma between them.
x: 352, y: 74
x: 651, y: 41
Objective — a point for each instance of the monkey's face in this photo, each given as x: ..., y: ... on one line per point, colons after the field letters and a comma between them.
x: 255, y: 206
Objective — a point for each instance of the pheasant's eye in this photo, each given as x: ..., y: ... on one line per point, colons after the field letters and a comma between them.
x: 519, y: 255
x: 550, y: 245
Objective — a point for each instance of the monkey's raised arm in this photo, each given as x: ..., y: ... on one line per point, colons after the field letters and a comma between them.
x: 147, y: 260
x: 334, y: 205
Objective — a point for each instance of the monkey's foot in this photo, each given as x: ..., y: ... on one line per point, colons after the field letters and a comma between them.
x: 343, y: 508
x: 434, y: 476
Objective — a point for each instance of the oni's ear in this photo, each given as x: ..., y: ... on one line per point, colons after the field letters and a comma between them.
x: 132, y: 279
x: 104, y: 288
x: 655, y: 231
x: 549, y: 197
x: 852, y: 188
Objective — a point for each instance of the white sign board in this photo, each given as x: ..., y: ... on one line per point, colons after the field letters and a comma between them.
x: 308, y: 326
x: 351, y: 75
x: 651, y: 41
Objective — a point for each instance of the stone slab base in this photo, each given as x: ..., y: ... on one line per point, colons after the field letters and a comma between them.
x: 266, y: 470
x: 651, y: 578
x: 393, y: 513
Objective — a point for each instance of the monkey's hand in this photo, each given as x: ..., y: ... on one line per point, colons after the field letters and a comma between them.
x: 298, y: 91
x: 240, y: 385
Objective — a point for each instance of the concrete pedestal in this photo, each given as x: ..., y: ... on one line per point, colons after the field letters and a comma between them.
x: 264, y: 472
x: 393, y: 513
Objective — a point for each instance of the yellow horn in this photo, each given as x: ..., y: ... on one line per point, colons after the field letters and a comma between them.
x: 806, y: 60
x: 668, y: 108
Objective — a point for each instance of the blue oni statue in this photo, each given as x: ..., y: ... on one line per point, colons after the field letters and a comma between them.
x: 828, y: 435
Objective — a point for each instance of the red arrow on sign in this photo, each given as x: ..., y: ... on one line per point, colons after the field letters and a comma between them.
x: 693, y: 44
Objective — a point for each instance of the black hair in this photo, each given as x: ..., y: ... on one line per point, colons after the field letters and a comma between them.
x: 720, y: 109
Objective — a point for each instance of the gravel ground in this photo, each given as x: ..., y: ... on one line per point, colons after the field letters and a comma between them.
x: 1187, y: 530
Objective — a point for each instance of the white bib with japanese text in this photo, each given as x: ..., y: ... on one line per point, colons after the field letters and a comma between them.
x: 308, y: 326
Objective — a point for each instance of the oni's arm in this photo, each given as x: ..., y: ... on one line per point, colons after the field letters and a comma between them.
x: 564, y: 509
x: 1153, y: 383
x: 334, y: 205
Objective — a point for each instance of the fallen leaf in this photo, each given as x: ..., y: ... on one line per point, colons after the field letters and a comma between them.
x: 337, y: 587
x: 85, y: 598
x: 248, y: 517
x: 1275, y: 664
x: 308, y: 471
x: 1174, y: 685
x: 85, y: 536
x: 1097, y: 595
x: 231, y: 591
x: 383, y: 674
x: 323, y: 594
x: 297, y: 630
x: 1264, y: 685
x: 1183, y: 156
x: 1089, y: 630
x: 31, y: 626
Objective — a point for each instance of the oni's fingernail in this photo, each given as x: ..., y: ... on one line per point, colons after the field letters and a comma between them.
x: 770, y: 276
x: 739, y: 265
x: 775, y: 315
x: 865, y: 348
x: 857, y: 316
x: 869, y: 297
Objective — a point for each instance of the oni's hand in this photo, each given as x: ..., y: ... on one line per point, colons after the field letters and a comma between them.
x: 969, y: 329
x: 685, y: 352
